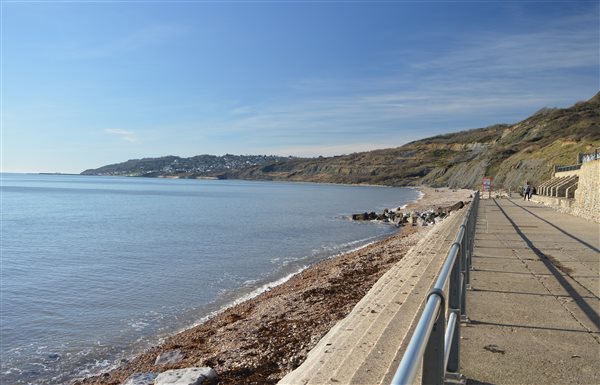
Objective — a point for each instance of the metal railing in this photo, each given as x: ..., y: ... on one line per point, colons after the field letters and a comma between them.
x: 592, y: 156
x: 581, y: 158
x: 567, y: 168
x: 435, y: 341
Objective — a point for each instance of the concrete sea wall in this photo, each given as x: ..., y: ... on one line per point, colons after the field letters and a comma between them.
x: 586, y: 203
x: 587, y: 195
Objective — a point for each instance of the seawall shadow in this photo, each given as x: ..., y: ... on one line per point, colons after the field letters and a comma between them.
x: 556, y: 227
x: 579, y: 300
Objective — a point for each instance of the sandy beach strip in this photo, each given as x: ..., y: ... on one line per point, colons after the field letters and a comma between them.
x: 262, y: 339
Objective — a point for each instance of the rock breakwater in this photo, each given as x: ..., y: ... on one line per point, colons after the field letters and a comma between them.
x: 402, y: 218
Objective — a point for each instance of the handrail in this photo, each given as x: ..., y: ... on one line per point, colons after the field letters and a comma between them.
x: 450, y: 260
x: 432, y: 342
x: 407, y: 370
x: 567, y: 168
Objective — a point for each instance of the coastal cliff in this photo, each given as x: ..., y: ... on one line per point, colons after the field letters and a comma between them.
x: 512, y: 154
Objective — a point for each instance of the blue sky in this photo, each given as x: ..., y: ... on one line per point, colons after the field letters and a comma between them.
x: 86, y: 84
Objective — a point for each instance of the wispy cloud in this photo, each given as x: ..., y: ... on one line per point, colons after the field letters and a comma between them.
x: 486, y: 79
x: 125, y: 135
x: 141, y: 38
x: 241, y: 110
x: 518, y: 55
x: 326, y: 150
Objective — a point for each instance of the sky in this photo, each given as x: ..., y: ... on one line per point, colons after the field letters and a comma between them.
x: 90, y: 83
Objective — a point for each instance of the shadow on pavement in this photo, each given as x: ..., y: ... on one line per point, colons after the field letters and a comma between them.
x: 556, y: 227
x: 579, y: 300
x: 471, y: 381
x: 475, y: 322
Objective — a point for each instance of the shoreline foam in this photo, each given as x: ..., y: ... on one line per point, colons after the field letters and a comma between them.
x: 221, y: 305
x: 270, y: 285
x: 236, y: 341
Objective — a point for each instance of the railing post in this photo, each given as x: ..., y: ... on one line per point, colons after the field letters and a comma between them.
x: 454, y: 304
x: 467, y: 261
x: 463, y: 283
x: 471, y: 226
x: 463, y: 271
x: 433, y: 358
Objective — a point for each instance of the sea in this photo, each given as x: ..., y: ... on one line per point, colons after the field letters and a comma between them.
x: 94, y: 270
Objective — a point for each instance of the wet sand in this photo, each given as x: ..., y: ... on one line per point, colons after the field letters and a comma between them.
x: 262, y: 339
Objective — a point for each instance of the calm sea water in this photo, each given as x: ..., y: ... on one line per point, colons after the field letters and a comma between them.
x: 95, y: 269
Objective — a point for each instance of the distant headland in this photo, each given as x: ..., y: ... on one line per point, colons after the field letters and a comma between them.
x: 512, y: 154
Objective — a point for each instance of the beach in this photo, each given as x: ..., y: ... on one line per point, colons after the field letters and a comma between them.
x: 260, y: 340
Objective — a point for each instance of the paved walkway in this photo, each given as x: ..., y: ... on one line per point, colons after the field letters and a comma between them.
x: 534, y: 307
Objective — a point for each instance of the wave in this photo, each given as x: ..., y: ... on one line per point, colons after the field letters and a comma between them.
x: 345, y: 247
x: 419, y: 197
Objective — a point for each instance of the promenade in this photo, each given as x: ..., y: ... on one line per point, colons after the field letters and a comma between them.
x: 534, y: 305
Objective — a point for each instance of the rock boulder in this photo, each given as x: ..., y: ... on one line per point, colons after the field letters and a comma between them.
x: 170, y: 357
x: 146, y: 378
x: 188, y: 376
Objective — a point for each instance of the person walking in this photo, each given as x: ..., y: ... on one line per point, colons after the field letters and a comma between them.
x: 531, y: 192
x: 527, y: 192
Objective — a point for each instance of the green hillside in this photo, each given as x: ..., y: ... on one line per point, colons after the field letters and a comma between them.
x: 512, y: 154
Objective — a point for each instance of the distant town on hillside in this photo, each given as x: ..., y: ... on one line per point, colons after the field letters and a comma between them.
x: 199, y: 165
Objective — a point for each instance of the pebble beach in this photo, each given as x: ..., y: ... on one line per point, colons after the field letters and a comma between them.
x: 262, y: 339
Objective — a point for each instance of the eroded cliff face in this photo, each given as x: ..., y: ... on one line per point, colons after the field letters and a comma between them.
x: 462, y: 174
x: 511, y: 154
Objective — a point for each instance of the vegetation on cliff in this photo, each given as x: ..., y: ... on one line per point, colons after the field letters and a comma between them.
x: 511, y: 154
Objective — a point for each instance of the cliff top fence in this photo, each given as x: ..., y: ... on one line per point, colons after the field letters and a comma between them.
x: 590, y: 157
x: 581, y: 158
x: 567, y: 168
x: 436, y: 340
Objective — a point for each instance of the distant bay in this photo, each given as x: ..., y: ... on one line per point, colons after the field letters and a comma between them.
x: 95, y: 269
